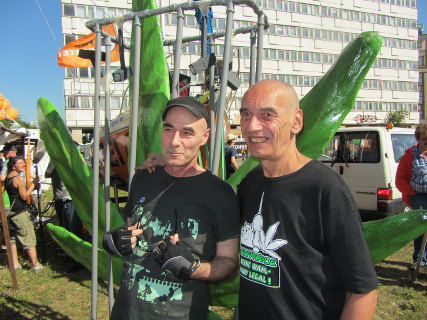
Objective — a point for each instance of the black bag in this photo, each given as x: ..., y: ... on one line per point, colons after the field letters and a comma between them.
x: 32, y: 209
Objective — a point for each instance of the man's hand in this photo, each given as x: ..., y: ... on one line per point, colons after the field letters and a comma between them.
x: 154, y: 160
x: 121, y: 241
x: 174, y: 255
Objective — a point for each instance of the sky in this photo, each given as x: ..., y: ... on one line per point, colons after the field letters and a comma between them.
x: 28, y: 51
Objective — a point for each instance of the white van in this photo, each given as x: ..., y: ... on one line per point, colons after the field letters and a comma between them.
x: 367, y: 160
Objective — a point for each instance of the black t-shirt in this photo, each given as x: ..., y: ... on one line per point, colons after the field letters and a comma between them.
x: 203, y: 210
x: 302, y: 245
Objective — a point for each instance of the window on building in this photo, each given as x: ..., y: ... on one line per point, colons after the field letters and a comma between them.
x: 421, y: 79
x: 71, y: 73
x: 91, y: 12
x: 84, y: 72
x: 420, y: 61
x: 272, y: 29
x: 100, y: 13
x: 86, y: 102
x: 190, y: 21
x: 111, y: 12
x: 124, y: 103
x: 73, y: 102
x: 220, y: 23
x: 81, y: 11
x: 245, y: 52
x: 192, y: 49
x: 273, y: 54
x: 102, y: 102
x: 69, y: 10
x: 115, y: 102
x: 69, y: 38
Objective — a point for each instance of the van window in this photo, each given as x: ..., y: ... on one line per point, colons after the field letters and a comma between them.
x: 353, y: 147
x: 401, y: 142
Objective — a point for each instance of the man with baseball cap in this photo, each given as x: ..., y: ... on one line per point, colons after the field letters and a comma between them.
x: 182, y: 226
x: 8, y: 151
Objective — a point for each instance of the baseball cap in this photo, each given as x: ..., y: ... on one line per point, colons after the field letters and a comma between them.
x: 189, y: 103
x: 8, y: 147
x: 231, y: 137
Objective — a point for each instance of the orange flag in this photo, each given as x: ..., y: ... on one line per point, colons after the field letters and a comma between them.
x: 69, y: 54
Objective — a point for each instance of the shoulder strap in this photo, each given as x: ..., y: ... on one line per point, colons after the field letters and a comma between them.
x: 12, y: 179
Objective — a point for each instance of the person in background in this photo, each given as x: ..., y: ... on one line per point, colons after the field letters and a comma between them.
x: 20, y: 217
x: 411, y: 180
x: 8, y: 151
x: 230, y: 156
x: 303, y: 254
x: 65, y: 210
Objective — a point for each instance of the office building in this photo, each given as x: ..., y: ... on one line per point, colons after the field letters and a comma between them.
x: 304, y: 39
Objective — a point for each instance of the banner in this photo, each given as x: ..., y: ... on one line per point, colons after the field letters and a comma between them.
x: 70, y: 55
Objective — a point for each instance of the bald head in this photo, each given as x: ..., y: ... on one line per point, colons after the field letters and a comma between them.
x: 280, y: 93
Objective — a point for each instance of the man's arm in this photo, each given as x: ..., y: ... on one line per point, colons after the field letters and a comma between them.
x: 234, y: 163
x: 359, y: 306
x: 223, y: 266
x: 403, y: 176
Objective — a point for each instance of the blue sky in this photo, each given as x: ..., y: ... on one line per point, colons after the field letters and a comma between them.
x: 28, y: 53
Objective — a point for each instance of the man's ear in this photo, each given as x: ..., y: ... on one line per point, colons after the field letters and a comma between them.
x: 298, y: 120
x: 205, y: 137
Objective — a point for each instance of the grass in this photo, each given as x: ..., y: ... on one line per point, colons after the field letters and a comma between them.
x: 400, y: 296
x: 53, y: 294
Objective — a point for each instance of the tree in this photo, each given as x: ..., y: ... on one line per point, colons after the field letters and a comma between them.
x: 7, y: 123
x: 397, y: 118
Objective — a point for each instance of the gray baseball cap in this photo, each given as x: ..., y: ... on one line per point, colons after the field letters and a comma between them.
x: 189, y: 103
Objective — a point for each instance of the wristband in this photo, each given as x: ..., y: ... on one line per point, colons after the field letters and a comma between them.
x: 193, y: 269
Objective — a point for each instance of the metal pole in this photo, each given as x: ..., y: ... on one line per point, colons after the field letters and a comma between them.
x: 260, y: 48
x: 39, y: 211
x: 135, y: 99
x: 252, y: 59
x: 420, y: 255
x: 95, y: 167
x: 107, y: 166
x: 223, y: 91
x: 204, y: 34
x: 212, y: 107
x: 177, y: 54
x: 6, y: 235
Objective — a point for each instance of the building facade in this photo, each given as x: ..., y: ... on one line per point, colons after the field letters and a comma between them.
x: 422, y: 67
x: 305, y: 38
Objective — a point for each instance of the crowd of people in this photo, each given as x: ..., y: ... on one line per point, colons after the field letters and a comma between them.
x: 17, y: 195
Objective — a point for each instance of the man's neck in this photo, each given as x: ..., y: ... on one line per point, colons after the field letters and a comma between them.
x: 184, y: 171
x: 292, y: 162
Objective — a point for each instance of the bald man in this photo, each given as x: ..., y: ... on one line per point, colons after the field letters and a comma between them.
x: 303, y: 254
